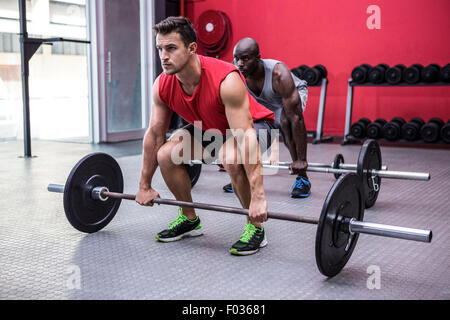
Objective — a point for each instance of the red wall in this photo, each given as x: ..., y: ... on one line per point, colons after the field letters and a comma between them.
x: 335, y: 34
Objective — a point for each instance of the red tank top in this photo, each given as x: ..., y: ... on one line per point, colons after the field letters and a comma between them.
x: 205, y: 104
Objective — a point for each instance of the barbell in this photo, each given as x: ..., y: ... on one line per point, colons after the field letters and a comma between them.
x: 94, y: 190
x: 369, y: 168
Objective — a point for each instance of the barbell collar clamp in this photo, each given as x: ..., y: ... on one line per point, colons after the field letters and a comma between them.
x: 99, y: 193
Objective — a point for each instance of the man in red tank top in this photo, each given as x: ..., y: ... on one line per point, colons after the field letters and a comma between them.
x: 209, y: 93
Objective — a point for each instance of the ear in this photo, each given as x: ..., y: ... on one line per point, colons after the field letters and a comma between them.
x: 192, y: 47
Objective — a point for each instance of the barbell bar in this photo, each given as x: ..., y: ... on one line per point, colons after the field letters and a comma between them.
x: 94, y: 190
x: 354, y: 226
x: 405, y: 175
x: 369, y: 168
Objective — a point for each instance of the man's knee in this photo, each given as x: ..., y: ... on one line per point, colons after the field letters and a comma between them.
x: 166, y: 154
x: 234, y: 170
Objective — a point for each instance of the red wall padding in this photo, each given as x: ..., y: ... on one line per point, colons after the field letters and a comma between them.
x: 335, y: 34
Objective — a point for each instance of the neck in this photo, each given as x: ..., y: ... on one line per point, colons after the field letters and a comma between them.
x: 190, y: 75
x: 258, y: 73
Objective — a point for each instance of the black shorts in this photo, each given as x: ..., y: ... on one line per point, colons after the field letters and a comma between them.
x: 266, y: 132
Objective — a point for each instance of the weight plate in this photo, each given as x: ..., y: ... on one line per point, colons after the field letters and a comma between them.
x: 369, y: 159
x: 359, y: 75
x: 211, y: 27
x: 334, y: 244
x: 394, y: 75
x: 411, y: 131
x: 338, y: 159
x: 374, y: 130
x: 193, y: 172
x: 84, y: 213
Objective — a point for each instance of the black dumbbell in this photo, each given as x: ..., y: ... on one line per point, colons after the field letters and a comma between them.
x: 312, y: 76
x: 445, y: 132
x: 394, y: 75
x: 298, y: 72
x: 375, y: 129
x: 358, y: 129
x: 445, y: 73
x: 430, y: 132
x: 413, y: 74
x: 323, y: 71
x: 431, y: 73
x: 411, y: 130
x: 377, y: 73
x: 359, y: 74
x: 393, y: 129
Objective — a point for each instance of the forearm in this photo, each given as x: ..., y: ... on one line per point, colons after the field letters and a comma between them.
x: 297, y: 146
x: 248, y: 148
x: 151, y: 145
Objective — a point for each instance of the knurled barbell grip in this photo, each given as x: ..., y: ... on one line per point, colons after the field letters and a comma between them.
x: 212, y: 207
x: 354, y: 226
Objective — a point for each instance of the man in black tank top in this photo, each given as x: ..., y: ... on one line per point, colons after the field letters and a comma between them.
x: 281, y: 91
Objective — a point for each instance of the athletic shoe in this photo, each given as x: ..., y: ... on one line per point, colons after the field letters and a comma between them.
x: 301, y: 188
x: 228, y: 188
x: 180, y: 228
x: 251, y: 240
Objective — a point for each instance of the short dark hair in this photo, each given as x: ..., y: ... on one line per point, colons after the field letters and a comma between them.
x: 180, y: 25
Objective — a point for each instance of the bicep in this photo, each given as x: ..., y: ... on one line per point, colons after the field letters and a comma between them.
x: 237, y: 104
x: 284, y: 85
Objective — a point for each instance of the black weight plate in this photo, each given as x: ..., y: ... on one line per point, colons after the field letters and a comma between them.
x: 358, y: 130
x: 411, y: 131
x: 430, y: 132
x: 193, y: 172
x: 445, y: 132
x: 374, y: 130
x: 394, y: 75
x: 369, y: 159
x: 376, y: 74
x: 84, y: 213
x: 359, y: 75
x: 323, y: 71
x: 338, y: 159
x: 411, y: 75
x: 311, y: 76
x: 392, y: 131
x: 445, y: 73
x: 334, y: 246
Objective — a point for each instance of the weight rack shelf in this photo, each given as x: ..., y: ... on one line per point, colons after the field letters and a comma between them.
x: 418, y: 143
x: 348, y: 115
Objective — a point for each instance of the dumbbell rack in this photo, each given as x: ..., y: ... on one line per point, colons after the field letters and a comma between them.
x: 317, y: 136
x: 348, y: 138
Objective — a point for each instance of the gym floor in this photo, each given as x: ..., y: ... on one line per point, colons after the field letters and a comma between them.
x: 43, y: 257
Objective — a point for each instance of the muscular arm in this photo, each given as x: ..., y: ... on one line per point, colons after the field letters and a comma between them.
x: 292, y: 116
x: 154, y: 137
x: 237, y: 109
